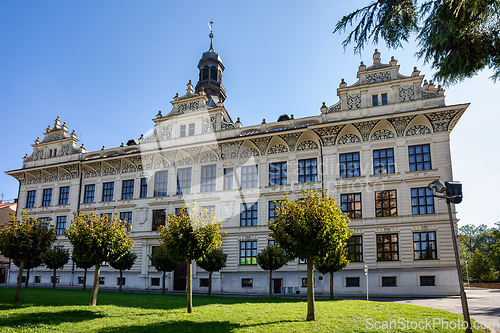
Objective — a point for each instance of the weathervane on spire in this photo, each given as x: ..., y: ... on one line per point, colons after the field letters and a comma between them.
x: 211, y: 35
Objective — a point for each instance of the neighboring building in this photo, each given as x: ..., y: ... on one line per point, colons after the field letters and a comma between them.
x: 5, y: 210
x: 376, y: 150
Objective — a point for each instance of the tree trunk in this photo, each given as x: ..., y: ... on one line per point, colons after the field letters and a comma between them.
x: 310, y: 290
x: 17, y: 295
x: 95, y: 287
x: 331, y: 285
x: 121, y: 281
x: 189, y: 287
x: 85, y: 280
x: 27, y: 278
x: 270, y: 283
x: 54, y: 280
x: 163, y: 283
x: 209, y: 283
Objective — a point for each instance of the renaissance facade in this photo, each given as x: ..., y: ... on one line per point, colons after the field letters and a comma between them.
x: 376, y: 150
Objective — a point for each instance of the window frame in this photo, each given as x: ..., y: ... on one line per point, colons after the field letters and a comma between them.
x: 158, y: 218
x: 277, y: 173
x: 46, y: 197
x: 253, y: 210
x: 375, y: 100
x: 63, y: 195
x: 352, y: 278
x: 183, y: 131
x: 384, y: 163
x: 108, y: 191
x: 382, y: 251
x: 384, y: 98
x: 354, y: 249
x: 308, y: 170
x: 184, y: 180
x: 250, y: 176
x: 31, y: 199
x: 161, y: 183
x: 387, y: 281
x: 430, y: 244
x: 246, y: 282
x: 253, y: 253
x: 348, y: 202
x: 349, y: 165
x: 381, y: 199
x: 272, y: 209
x: 143, y: 193
x: 208, y: 178
x: 89, y: 193
x: 419, y: 157
x: 191, y: 129
x: 61, y: 224
x: 228, y: 179
x: 424, y: 280
x: 416, y: 201
x: 128, y: 189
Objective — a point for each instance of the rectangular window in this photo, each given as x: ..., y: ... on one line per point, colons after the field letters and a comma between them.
x: 204, y: 282
x: 126, y: 216
x: 58, y: 278
x: 80, y: 280
x: 47, y: 197
x: 248, y: 253
x: 419, y: 157
x: 271, y: 242
x: 249, y: 176
x: 184, y: 181
x: 144, y: 188
x: 352, y: 281
x: 155, y: 282
x: 161, y: 182
x: 38, y: 279
x: 304, y: 282
x: 386, y: 203
x: 424, y: 245
x: 248, y: 215
x: 384, y: 99
x: 45, y: 220
x: 191, y: 129
x: 277, y: 174
x: 128, y: 189
x: 349, y: 165
x: 308, y: 170
x: 102, y: 279
x: 375, y: 100
x: 383, y: 161
x: 158, y: 219
x: 30, y: 199
x: 183, y: 131
x: 209, y: 209
x: 246, y: 283
x: 355, y: 248
x: 120, y: 281
x: 272, y: 206
x: 64, y: 195
x: 387, y: 247
x: 426, y: 281
x: 60, y: 225
x: 208, y: 177
x: 351, y: 204
x: 89, y: 193
x: 422, y: 201
x: 389, y: 281
x: 228, y: 179
x: 107, y: 191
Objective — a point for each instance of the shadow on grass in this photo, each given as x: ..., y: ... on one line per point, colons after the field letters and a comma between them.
x: 27, y: 320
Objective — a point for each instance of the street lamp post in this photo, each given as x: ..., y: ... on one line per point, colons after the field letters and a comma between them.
x: 366, y: 273
x: 452, y: 192
x: 467, y: 270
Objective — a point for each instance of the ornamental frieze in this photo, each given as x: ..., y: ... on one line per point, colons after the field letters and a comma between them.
x: 208, y: 125
x: 334, y: 108
x: 365, y: 128
x: 418, y: 130
x: 441, y: 120
x: 378, y: 77
x: 382, y: 134
x: 349, y: 138
x: 400, y: 123
x: 328, y: 135
x: 307, y: 145
x: 165, y: 132
x: 261, y: 143
x: 406, y: 93
x: 291, y: 139
x: 170, y: 156
x: 209, y: 158
x: 278, y: 149
x: 161, y: 164
x: 194, y: 152
x: 184, y: 161
x: 229, y: 150
x: 353, y: 101
x: 249, y: 152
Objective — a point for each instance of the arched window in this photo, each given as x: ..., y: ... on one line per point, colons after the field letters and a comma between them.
x: 213, y: 73
x: 204, y: 73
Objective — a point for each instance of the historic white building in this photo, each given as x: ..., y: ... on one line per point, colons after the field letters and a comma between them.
x: 376, y: 150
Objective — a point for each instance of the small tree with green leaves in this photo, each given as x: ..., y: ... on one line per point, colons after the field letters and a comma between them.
x: 333, y: 262
x: 481, y: 268
x: 271, y: 259
x: 83, y: 264
x: 124, y: 263
x: 310, y: 228
x: 99, y: 239
x: 55, y: 258
x: 24, y: 239
x: 164, y: 262
x: 190, y: 237
x: 213, y: 261
x: 29, y: 264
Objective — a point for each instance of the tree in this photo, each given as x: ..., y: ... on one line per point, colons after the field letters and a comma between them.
x: 333, y: 262
x: 83, y: 264
x: 271, y: 259
x: 310, y: 228
x: 458, y: 37
x: 473, y: 237
x: 55, y: 258
x: 190, y: 237
x: 213, y: 261
x: 481, y: 268
x: 99, y: 239
x: 164, y: 262
x: 29, y: 264
x: 24, y: 239
x: 124, y: 263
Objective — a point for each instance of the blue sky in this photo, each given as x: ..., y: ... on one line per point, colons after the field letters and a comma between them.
x: 107, y: 67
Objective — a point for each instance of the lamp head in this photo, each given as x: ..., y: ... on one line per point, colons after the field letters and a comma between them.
x: 437, y: 186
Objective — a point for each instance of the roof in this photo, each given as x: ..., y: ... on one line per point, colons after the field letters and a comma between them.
x: 5, y: 205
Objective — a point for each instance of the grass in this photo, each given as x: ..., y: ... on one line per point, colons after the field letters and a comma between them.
x: 46, y: 310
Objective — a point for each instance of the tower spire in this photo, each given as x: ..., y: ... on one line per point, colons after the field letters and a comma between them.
x: 211, y: 34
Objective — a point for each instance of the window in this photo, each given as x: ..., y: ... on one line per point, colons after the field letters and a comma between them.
x: 107, y: 191
x: 58, y: 278
x: 384, y: 99
x: 47, y: 197
x: 208, y: 177
x: 30, y: 199
x: 191, y: 129
x: 272, y: 206
x: 375, y: 100
x: 422, y: 201
x: 38, y: 279
x: 385, y: 203
x: 349, y: 165
x: 387, y: 247
x: 45, y: 220
x: 248, y: 215
x: 228, y: 179
x: 383, y: 161
x: 80, y: 280
x: 351, y: 204
x: 308, y: 170
x: 271, y: 242
x: 155, y: 282
x: 352, y: 281
x: 204, y: 282
x: 424, y: 245
x: 64, y: 195
x: 158, y: 219
x: 183, y: 131
x: 60, y: 225
x: 126, y: 216
x: 120, y: 281
x: 89, y: 193
x: 101, y: 280
x: 161, y: 182
x: 304, y: 282
x: 184, y: 181
x: 209, y: 209
x: 420, y: 157
x: 355, y: 248
x: 144, y: 188
x: 128, y: 189
x: 246, y: 283
x: 249, y: 176
x: 248, y: 253
x: 426, y: 281
x: 277, y: 174
x: 389, y: 281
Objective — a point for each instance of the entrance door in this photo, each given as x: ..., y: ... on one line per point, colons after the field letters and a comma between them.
x: 277, y: 286
x: 180, y: 274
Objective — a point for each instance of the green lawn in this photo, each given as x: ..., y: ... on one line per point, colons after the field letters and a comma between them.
x: 44, y: 310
